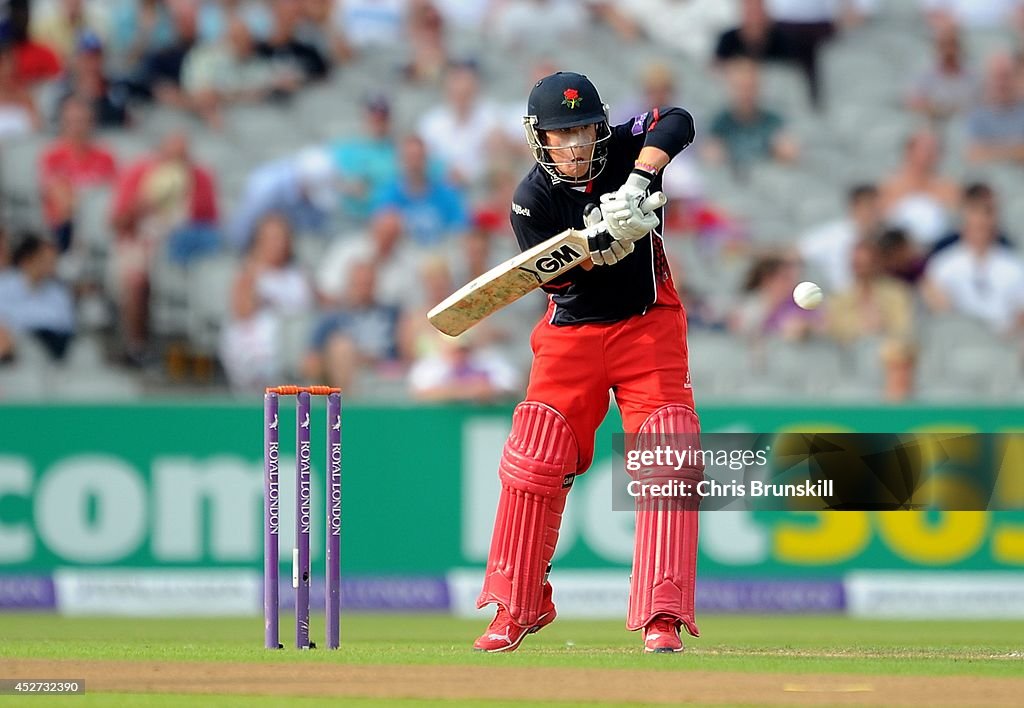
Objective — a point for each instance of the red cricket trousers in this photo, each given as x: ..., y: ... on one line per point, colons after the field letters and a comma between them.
x: 643, y: 360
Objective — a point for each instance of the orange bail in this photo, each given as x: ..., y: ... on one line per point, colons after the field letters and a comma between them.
x: 295, y: 390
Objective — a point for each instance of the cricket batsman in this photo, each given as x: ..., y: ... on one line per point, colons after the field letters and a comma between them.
x: 616, y: 325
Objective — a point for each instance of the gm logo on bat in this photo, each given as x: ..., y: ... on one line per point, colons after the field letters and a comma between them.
x: 553, y: 261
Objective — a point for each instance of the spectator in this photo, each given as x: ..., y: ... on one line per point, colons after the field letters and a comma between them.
x: 86, y: 80
x: 468, y: 115
x: 385, y: 247
x: 18, y: 113
x: 269, y: 287
x: 168, y: 199
x: 360, y: 333
x: 995, y: 126
x: 980, y: 196
x: 658, y: 85
x: 164, y: 203
x: 425, y: 32
x: 745, y: 132
x: 432, y: 209
x: 370, y: 23
x: 948, y: 87
x: 767, y: 308
x: 73, y: 162
x: 806, y: 25
x: 829, y: 248
x: 138, y: 28
x: 230, y: 72
x: 462, y: 371
x: 685, y: 26
x: 284, y: 46
x: 900, y: 258
x: 161, y: 69
x: 514, y: 25
x: 33, y: 302
x: 34, y: 62
x: 757, y: 37
x: 916, y: 196
x: 303, y: 188
x: 320, y: 29
x: 60, y: 24
x: 978, y: 277
x: 875, y: 307
x: 366, y: 162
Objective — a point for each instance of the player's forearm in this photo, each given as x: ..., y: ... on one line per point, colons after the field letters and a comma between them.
x: 652, y: 157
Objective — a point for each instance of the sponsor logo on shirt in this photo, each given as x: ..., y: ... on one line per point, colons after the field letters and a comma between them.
x: 522, y: 211
x: 638, y: 124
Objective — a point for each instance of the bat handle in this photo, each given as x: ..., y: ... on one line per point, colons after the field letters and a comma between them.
x: 655, y: 200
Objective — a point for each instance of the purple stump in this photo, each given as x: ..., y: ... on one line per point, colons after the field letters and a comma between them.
x: 333, y: 516
x: 271, y: 521
x: 300, y: 559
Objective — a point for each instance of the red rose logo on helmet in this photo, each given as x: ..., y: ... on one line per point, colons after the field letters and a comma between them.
x: 572, y: 98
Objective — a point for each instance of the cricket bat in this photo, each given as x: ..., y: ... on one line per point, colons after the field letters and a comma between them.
x: 511, y: 280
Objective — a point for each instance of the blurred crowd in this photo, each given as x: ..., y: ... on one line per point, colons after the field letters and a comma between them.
x: 331, y: 252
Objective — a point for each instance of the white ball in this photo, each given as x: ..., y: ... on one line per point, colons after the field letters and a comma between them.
x: 807, y: 295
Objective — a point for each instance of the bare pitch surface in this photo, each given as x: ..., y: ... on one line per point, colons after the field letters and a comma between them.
x: 741, y: 660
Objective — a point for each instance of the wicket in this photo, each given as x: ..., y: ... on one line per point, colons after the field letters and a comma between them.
x: 271, y: 515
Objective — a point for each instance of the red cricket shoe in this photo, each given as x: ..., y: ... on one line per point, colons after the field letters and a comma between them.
x: 661, y: 635
x: 503, y: 634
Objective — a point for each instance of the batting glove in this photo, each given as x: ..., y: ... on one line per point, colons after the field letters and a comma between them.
x: 604, y: 250
x: 621, y: 210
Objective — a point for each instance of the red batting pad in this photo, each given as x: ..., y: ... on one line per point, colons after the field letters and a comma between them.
x: 665, y: 549
x: 536, y: 471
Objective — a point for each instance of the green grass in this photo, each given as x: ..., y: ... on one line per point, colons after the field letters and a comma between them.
x: 169, y: 700
x: 797, y: 644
